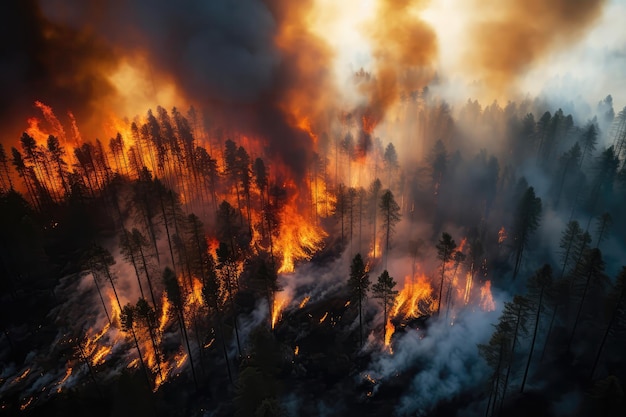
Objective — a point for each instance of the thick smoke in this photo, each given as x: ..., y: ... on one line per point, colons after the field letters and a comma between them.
x: 42, y: 60
x: 404, y: 48
x: 447, y: 359
x: 507, y: 38
x: 253, y: 65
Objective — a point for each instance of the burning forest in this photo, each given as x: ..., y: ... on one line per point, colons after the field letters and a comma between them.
x: 264, y: 208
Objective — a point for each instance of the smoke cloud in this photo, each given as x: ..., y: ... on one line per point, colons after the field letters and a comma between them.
x: 507, y: 38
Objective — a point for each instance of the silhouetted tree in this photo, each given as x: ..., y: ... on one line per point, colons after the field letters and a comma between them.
x: 538, y: 285
x: 445, y: 251
x: 390, y: 215
x: 175, y: 297
x: 127, y: 320
x: 383, y: 289
x: 526, y: 221
x: 358, y: 284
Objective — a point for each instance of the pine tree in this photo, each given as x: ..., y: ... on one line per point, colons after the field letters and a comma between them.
x: 445, y: 251
x: 358, y: 283
x: 383, y: 289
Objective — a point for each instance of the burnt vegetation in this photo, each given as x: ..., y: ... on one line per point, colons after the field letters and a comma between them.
x: 178, y: 269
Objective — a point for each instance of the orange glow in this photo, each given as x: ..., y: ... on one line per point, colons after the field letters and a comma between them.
x: 415, y: 299
x: 324, y: 317
x: 165, y: 309
x: 281, y: 300
x: 502, y: 235
x: 304, y: 301
x: 26, y: 404
x: 468, y: 287
x: 296, y: 350
x: 68, y: 372
x: 390, y: 329
x: 298, y: 239
x: 22, y: 376
x: 180, y: 359
x: 486, y: 298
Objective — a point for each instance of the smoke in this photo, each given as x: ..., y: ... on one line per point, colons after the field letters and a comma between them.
x: 446, y: 357
x: 253, y: 65
x: 403, y: 48
x: 493, y: 45
x: 42, y: 60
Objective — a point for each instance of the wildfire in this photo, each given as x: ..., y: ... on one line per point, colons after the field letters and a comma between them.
x: 324, y: 317
x: 26, y: 404
x: 502, y: 235
x: 165, y: 309
x: 280, y: 301
x: 468, y: 287
x: 486, y: 298
x: 304, y: 301
x: 415, y: 299
x: 296, y: 350
x: 390, y: 329
x: 298, y: 238
x: 68, y: 372
x: 21, y: 376
x: 180, y: 359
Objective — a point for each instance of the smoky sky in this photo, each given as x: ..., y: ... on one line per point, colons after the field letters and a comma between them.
x: 41, y: 60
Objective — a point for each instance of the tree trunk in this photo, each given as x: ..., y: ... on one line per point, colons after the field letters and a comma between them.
x: 532, y: 344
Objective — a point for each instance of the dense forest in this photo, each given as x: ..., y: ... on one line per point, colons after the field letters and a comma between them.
x: 178, y: 268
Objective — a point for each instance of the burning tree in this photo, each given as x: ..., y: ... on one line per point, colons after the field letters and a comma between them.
x: 383, y: 289
x: 445, y: 252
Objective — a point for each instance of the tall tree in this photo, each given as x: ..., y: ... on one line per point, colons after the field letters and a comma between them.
x: 358, y: 283
x: 445, y: 251
x: 175, y: 297
x: 538, y: 285
x: 390, y: 214
x: 569, y: 241
x: 616, y: 301
x: 526, y: 221
x: 383, y: 289
x: 128, y: 325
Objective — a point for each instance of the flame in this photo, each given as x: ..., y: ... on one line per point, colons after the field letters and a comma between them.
x: 415, y: 299
x: 68, y: 372
x: 180, y: 359
x: 390, y: 329
x: 375, y: 252
x: 296, y: 350
x: 26, y: 404
x: 502, y: 235
x: 165, y: 309
x: 280, y: 301
x: 304, y: 301
x: 486, y: 298
x: 298, y: 239
x: 22, y: 376
x: 133, y: 364
x: 324, y: 317
x: 115, y: 308
x: 468, y: 287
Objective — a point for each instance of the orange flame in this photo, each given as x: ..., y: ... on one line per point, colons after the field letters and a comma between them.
x: 280, y: 301
x: 502, y: 235
x: 298, y: 239
x: 68, y: 372
x: 304, y: 301
x: 324, y: 317
x: 486, y: 298
x: 390, y: 329
x: 165, y: 309
x: 415, y: 299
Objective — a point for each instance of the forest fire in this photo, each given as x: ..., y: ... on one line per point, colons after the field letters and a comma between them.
x: 225, y: 195
x: 415, y: 299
